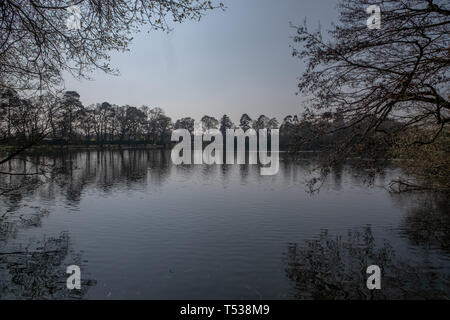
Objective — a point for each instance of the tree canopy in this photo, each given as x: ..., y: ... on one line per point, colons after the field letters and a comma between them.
x: 358, y: 79
x: 36, y: 46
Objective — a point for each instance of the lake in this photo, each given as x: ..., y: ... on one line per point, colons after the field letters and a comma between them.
x: 140, y: 227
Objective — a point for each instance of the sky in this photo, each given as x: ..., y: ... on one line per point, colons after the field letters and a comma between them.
x: 231, y: 62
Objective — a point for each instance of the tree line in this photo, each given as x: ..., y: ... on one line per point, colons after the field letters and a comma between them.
x: 67, y: 121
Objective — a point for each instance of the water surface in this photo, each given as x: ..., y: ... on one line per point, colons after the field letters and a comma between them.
x: 142, y: 228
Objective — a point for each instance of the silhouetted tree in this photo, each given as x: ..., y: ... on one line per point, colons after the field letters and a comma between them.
x: 261, y: 123
x: 225, y: 123
x: 400, y: 71
x: 71, y: 106
x: 245, y: 122
x: 35, y: 31
x: 36, y: 47
x: 209, y: 123
x: 185, y: 123
x: 272, y: 124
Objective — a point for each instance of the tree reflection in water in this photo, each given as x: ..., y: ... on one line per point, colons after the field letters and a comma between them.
x: 330, y: 267
x: 70, y: 174
x: 333, y: 267
x: 39, y: 271
x: 427, y: 223
x: 11, y: 222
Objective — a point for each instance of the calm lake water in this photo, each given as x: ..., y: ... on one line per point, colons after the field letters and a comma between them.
x: 142, y: 228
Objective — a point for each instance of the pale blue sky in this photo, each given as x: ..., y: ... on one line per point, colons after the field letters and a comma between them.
x: 230, y: 62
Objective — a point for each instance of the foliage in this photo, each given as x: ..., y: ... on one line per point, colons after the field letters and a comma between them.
x: 36, y: 46
x: 428, y: 163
